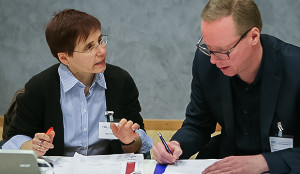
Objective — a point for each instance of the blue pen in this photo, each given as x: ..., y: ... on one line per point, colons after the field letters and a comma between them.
x: 165, y: 144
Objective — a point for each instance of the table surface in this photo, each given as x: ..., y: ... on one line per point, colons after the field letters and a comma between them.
x: 149, y: 166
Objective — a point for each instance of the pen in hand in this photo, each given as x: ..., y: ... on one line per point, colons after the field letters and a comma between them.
x: 165, y: 144
x: 49, y: 130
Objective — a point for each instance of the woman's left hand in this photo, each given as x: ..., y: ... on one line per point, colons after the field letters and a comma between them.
x: 125, y: 131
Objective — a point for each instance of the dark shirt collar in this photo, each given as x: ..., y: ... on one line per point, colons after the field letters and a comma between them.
x: 257, y: 78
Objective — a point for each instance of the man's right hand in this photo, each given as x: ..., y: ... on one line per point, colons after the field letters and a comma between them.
x: 162, y: 156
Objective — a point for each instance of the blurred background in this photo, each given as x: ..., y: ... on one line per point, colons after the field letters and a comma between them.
x: 154, y: 40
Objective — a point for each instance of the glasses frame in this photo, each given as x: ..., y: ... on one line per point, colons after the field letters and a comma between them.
x: 95, y: 46
x: 207, y: 52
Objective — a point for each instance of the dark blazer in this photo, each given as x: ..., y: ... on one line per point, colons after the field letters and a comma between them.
x: 39, y: 106
x: 211, y: 102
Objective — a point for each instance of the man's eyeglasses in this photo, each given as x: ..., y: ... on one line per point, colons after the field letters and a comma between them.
x: 221, y: 55
x: 90, y: 48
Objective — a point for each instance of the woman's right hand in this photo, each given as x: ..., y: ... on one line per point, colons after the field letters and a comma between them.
x: 41, y: 143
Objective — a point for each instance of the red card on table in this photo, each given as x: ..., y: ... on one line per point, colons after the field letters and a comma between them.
x: 130, y: 167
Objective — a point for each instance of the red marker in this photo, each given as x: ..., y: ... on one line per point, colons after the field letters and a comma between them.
x: 49, y: 130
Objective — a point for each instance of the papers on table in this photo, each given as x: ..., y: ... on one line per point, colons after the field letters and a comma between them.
x: 100, y: 164
x: 189, y: 166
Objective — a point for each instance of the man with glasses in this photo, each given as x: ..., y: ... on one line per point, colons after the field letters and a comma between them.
x: 249, y: 83
x: 73, y: 96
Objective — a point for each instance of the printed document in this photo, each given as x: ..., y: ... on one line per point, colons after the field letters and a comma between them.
x: 189, y: 166
x: 100, y: 164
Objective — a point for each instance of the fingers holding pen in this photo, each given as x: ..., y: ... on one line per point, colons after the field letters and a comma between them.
x: 41, y: 143
x: 162, y: 156
x: 175, y: 148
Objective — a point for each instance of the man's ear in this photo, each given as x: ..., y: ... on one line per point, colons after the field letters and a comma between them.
x: 255, y: 35
x: 63, y: 58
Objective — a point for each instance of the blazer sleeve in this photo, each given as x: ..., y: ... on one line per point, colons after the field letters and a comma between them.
x: 122, y: 98
x: 29, y: 113
x: 284, y: 161
x: 199, y: 123
x: 131, y: 102
x: 288, y: 160
x: 122, y: 95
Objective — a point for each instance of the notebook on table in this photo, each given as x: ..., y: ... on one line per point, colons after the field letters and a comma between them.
x: 18, y: 161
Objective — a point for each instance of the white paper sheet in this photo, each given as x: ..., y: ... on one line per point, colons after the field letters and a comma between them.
x: 97, y: 164
x: 189, y: 166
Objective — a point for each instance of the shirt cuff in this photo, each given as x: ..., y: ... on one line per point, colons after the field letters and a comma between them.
x: 147, y: 142
x: 16, y: 142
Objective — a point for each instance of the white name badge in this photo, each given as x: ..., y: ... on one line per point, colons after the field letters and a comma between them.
x: 279, y: 143
x: 105, y: 131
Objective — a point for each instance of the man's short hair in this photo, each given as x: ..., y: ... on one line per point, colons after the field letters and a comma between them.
x: 245, y: 13
x: 67, y: 28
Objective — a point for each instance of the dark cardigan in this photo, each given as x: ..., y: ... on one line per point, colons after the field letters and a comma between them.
x: 39, y: 106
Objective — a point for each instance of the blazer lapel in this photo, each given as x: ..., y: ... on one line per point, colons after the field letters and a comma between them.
x: 271, y: 80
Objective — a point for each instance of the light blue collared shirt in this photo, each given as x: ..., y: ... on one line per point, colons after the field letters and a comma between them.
x: 81, y: 116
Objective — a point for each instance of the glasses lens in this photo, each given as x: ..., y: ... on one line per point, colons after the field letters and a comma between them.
x: 222, y: 56
x: 103, y: 41
x: 204, y: 50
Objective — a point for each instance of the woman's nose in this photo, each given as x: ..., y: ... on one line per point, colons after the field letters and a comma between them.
x: 100, y: 48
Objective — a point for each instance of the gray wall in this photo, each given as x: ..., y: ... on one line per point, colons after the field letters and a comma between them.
x: 154, y: 40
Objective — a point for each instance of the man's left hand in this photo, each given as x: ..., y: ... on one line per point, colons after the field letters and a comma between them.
x: 239, y: 164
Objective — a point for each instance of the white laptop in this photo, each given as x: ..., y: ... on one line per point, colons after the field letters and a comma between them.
x: 18, y: 161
